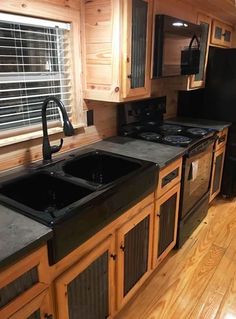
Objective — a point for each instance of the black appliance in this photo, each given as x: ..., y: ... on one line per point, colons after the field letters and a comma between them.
x: 144, y: 120
x: 176, y: 47
x: 217, y: 102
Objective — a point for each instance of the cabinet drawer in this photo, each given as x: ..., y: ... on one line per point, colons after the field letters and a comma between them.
x: 222, y: 139
x: 23, y: 281
x: 38, y: 308
x: 168, y: 177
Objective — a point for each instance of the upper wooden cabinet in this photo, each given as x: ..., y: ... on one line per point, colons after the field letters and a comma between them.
x: 221, y: 34
x: 117, y: 49
x: 198, y: 80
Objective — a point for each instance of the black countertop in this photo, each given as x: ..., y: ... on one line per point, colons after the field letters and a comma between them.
x: 161, y: 154
x: 203, y: 123
x: 19, y: 235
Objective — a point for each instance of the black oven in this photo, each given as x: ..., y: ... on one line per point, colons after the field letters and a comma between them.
x: 196, y: 175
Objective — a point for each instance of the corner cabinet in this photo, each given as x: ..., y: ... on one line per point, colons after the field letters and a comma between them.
x: 117, y: 37
x: 134, y: 254
x: 86, y: 289
x: 218, y: 164
x: 221, y: 34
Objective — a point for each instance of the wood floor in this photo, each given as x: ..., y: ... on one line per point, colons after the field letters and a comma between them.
x: 197, y: 281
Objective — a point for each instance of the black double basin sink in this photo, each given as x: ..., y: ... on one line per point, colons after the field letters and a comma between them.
x: 79, y: 195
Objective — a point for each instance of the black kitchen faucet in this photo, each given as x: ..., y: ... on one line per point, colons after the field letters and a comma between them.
x: 67, y: 128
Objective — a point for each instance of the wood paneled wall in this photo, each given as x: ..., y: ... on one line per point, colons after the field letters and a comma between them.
x: 27, y: 152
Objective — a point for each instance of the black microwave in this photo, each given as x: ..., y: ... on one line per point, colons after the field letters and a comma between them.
x: 176, y: 47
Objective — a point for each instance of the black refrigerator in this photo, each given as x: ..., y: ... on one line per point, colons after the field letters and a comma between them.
x: 218, y: 102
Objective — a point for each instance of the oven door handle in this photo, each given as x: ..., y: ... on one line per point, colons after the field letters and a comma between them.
x: 201, y: 147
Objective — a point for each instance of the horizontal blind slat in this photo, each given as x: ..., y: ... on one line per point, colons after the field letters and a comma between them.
x: 36, y: 88
x: 28, y: 104
x: 29, y: 96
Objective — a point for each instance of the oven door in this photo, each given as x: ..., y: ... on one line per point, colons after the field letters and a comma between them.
x: 196, y: 176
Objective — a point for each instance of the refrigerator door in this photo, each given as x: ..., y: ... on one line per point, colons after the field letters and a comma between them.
x: 220, y: 104
x: 220, y: 90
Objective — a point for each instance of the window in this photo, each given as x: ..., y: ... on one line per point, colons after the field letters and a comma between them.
x: 34, y: 64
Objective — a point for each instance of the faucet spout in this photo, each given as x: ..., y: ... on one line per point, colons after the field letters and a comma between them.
x: 67, y: 128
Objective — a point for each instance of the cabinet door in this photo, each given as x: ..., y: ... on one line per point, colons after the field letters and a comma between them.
x: 221, y: 34
x: 217, y: 171
x: 134, y: 246
x: 198, y: 80
x: 39, y: 308
x: 138, y: 19
x: 165, y: 224
x: 86, y: 290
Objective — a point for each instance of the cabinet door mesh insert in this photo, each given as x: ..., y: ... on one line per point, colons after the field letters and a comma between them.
x: 167, y: 224
x: 138, y: 48
x: 136, y: 254
x: 18, y: 286
x: 88, y: 292
x: 218, y: 165
x: 35, y: 315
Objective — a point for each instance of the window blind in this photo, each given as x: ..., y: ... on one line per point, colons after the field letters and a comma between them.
x: 34, y: 64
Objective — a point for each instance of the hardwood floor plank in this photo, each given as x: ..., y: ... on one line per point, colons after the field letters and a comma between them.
x: 210, y: 301
x: 191, y: 286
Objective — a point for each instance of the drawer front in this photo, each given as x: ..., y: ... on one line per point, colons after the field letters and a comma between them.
x: 23, y: 281
x: 169, y: 177
x: 222, y: 139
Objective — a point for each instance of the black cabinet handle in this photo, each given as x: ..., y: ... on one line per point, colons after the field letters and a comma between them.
x: 222, y: 139
x: 129, y: 76
x: 122, y: 247
x: 113, y: 256
x: 46, y: 316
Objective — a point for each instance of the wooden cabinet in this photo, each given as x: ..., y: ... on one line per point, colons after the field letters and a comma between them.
x: 217, y: 171
x: 86, y: 290
x: 38, y: 308
x: 165, y: 224
x: 221, y: 34
x: 134, y: 249
x: 118, y: 49
x: 218, y: 163
x: 22, y: 282
x: 198, y: 80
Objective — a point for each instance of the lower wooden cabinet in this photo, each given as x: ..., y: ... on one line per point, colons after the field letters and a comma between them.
x: 165, y: 224
x: 38, y: 308
x: 134, y: 250
x: 22, y: 282
x: 85, y: 291
x: 217, y: 171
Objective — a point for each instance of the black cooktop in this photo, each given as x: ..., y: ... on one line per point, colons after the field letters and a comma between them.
x: 160, y: 132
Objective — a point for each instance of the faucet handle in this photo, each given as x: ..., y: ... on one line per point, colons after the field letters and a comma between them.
x: 56, y: 148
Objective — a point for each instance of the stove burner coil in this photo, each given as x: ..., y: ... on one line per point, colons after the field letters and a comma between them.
x: 177, y: 140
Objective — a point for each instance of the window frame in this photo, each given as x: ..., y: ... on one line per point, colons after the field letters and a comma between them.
x: 65, y: 15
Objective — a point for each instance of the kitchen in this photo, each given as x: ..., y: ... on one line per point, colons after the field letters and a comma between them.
x: 119, y: 219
